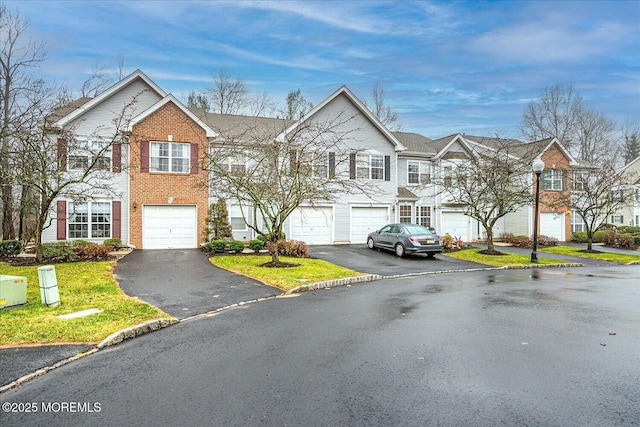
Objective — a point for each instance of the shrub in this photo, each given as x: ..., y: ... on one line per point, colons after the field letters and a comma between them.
x: 10, y: 248
x: 506, y: 237
x: 216, y: 246
x: 91, y: 251
x: 547, y: 241
x: 522, y: 241
x: 629, y: 229
x: 80, y: 242
x: 115, y: 242
x: 57, y: 251
x: 256, y: 245
x: 448, y: 242
x: 616, y: 240
x: 292, y: 248
x: 236, y: 246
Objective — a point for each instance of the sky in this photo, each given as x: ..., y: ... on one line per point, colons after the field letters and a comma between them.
x: 446, y: 67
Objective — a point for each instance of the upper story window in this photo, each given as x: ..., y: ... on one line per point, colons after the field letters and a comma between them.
x: 236, y: 163
x: 370, y: 166
x: 552, y: 179
x: 169, y: 157
x: 579, y: 181
x: 418, y: 172
x: 317, y: 164
x: 447, y: 176
x: 96, y: 154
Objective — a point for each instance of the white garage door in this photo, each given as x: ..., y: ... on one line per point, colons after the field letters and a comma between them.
x: 552, y: 225
x: 312, y: 225
x: 366, y: 220
x: 169, y: 227
x: 456, y: 224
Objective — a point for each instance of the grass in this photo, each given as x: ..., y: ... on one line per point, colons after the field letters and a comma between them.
x: 603, y: 256
x: 509, y: 259
x: 309, y: 271
x: 81, y: 285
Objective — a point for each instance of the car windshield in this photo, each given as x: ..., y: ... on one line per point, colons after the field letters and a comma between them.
x: 417, y: 229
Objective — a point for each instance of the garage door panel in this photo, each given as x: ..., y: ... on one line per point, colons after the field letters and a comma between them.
x: 365, y: 220
x: 456, y: 224
x: 169, y: 227
x: 551, y: 225
x: 312, y: 225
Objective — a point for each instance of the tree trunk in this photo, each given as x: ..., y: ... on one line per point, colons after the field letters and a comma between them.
x: 589, y: 240
x: 489, y: 239
x: 38, y: 239
x: 275, y: 257
x: 8, y: 229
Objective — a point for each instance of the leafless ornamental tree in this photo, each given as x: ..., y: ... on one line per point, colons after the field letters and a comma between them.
x: 272, y: 170
x: 489, y: 184
x: 226, y: 95
x: 19, y: 92
x: 381, y: 110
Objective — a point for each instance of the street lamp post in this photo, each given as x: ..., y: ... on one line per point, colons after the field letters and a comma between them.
x: 538, y: 167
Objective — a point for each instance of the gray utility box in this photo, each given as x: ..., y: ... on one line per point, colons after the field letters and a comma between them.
x: 13, y: 290
x: 48, y: 286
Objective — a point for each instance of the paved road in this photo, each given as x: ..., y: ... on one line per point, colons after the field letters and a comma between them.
x: 184, y: 283
x: 509, y: 347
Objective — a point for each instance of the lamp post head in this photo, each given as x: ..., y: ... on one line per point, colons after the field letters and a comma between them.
x: 538, y: 166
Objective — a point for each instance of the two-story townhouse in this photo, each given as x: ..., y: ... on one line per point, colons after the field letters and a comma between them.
x: 159, y: 194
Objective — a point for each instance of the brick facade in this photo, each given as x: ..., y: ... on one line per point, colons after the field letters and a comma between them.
x: 168, y: 124
x: 555, y: 158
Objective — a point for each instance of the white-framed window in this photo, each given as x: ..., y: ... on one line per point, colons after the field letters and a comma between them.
x: 317, y: 162
x: 78, y: 162
x: 617, y: 219
x: 552, y: 179
x: 169, y: 157
x: 84, y: 153
x: 405, y: 214
x: 418, y: 172
x: 447, y: 176
x: 577, y: 224
x: 579, y: 181
x: 370, y: 166
x: 89, y: 220
x: 236, y: 218
x: 423, y: 214
x: 236, y: 163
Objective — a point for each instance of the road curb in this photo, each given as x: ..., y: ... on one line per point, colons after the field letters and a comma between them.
x: 137, y: 330
x: 337, y: 282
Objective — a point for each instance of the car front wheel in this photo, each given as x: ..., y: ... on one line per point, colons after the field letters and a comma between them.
x: 370, y: 243
x: 400, y: 250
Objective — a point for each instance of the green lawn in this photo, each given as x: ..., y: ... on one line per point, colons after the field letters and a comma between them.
x: 603, y: 256
x: 510, y: 260
x: 81, y: 285
x: 309, y: 271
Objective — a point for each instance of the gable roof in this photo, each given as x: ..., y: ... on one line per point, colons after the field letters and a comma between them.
x: 210, y: 133
x: 443, y: 145
x: 81, y: 108
x: 415, y: 143
x: 343, y: 90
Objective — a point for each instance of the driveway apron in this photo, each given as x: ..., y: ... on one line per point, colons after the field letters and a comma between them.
x: 183, y: 282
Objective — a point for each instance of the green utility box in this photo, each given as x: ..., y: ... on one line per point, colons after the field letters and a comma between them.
x: 48, y: 286
x: 13, y: 291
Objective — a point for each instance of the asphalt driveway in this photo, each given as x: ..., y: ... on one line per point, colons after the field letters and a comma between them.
x: 184, y: 283
x: 361, y: 258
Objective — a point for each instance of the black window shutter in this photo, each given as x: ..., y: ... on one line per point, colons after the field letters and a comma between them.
x: 332, y: 164
x: 352, y: 166
x: 387, y: 168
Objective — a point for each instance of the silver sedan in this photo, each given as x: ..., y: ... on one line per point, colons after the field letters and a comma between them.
x: 406, y: 239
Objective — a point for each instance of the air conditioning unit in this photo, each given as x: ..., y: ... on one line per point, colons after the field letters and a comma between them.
x: 13, y: 291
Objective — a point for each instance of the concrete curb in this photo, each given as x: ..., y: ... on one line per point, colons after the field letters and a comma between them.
x: 137, y: 330
x: 337, y: 282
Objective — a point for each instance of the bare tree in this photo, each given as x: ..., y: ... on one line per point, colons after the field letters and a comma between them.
x: 261, y: 104
x: 97, y: 82
x: 227, y: 96
x: 18, y: 90
x: 491, y: 183
x: 554, y: 114
x: 383, y: 112
x: 297, y: 105
x: 271, y: 170
x: 594, y: 134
